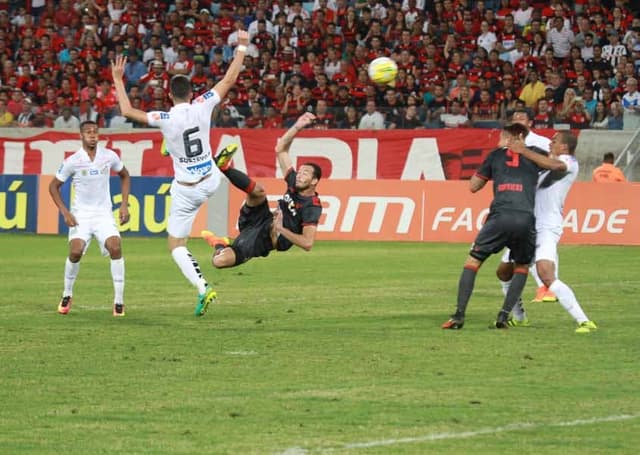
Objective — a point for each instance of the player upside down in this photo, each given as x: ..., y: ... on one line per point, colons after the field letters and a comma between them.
x: 293, y: 223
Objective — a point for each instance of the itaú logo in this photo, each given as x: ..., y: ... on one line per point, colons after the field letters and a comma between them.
x: 13, y: 207
x: 374, y: 210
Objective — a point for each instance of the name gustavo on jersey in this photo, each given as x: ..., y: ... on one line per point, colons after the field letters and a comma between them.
x: 195, y: 159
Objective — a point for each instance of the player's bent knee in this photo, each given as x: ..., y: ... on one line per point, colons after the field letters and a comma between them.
x: 504, y: 272
x: 75, y: 256
x: 114, y: 247
x: 224, y: 258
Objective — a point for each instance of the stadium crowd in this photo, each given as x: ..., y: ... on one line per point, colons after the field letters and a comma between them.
x: 461, y: 62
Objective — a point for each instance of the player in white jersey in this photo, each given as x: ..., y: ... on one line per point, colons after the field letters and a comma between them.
x: 553, y: 187
x: 185, y: 129
x: 91, y: 211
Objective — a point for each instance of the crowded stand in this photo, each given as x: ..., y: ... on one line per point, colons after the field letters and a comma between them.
x: 461, y: 63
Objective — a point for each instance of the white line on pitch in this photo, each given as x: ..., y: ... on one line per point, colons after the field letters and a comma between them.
x: 464, y: 434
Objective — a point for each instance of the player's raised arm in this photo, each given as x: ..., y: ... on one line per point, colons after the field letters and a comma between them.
x: 117, y: 71
x: 545, y: 162
x: 230, y: 77
x: 282, y: 147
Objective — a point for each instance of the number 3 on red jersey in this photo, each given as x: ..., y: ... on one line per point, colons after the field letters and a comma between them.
x: 513, y: 159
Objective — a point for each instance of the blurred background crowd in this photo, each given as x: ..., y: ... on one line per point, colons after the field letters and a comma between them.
x: 462, y: 63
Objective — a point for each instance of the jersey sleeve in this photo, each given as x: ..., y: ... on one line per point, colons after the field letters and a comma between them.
x: 65, y: 170
x: 484, y: 171
x: 157, y: 118
x: 208, y: 100
x: 290, y: 178
x: 570, y: 162
x: 116, y: 163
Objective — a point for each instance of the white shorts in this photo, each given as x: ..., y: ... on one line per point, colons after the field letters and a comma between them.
x: 547, y: 245
x: 185, y: 203
x: 101, y: 226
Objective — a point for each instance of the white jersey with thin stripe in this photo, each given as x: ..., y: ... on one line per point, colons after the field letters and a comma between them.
x: 92, y: 192
x: 538, y: 141
x: 186, y: 133
x: 553, y: 188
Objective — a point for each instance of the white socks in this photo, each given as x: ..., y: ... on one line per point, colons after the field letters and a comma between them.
x: 568, y: 300
x: 533, y: 271
x: 189, y: 267
x: 70, y: 274
x: 117, y: 274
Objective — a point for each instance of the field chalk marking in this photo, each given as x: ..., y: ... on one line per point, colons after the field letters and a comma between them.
x: 464, y: 434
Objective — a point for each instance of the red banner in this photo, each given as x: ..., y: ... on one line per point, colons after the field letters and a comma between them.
x: 449, y: 212
x: 342, y: 154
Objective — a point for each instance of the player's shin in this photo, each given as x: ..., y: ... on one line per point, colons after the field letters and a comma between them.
x: 465, y: 288
x: 189, y: 267
x: 513, y: 294
x: 568, y: 300
x: 240, y: 180
x: 70, y: 274
x: 117, y: 274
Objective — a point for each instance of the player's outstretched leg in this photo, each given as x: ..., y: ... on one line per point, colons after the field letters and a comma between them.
x: 214, y: 241
x: 223, y: 159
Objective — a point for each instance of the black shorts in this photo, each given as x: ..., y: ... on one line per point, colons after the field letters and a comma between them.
x: 254, y: 240
x: 516, y: 230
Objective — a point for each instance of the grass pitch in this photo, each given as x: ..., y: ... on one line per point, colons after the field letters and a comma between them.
x: 334, y: 351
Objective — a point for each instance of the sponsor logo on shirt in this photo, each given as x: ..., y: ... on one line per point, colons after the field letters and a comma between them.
x: 200, y: 169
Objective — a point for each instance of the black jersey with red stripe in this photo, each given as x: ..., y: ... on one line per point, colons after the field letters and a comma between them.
x: 514, y: 180
x: 297, y: 211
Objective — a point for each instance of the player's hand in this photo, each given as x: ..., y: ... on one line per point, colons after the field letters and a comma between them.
x: 117, y: 67
x: 69, y: 219
x: 124, y: 214
x: 277, y: 220
x: 304, y: 120
x: 243, y: 37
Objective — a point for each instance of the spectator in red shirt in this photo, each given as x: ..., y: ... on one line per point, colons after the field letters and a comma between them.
x: 256, y: 118
x: 15, y: 103
x: 65, y: 14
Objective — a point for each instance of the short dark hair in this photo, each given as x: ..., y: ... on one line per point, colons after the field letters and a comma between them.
x: 516, y: 129
x: 180, y: 86
x: 608, y: 157
x: 87, y: 122
x: 317, y: 171
x: 521, y: 110
x: 568, y: 138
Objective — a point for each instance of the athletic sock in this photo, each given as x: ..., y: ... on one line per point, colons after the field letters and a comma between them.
x: 465, y: 288
x: 189, y: 267
x: 515, y: 290
x: 518, y: 309
x: 70, y: 274
x: 534, y: 273
x: 568, y: 300
x: 117, y: 274
x: 240, y: 180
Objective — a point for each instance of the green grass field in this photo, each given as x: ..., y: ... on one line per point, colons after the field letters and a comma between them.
x: 334, y: 351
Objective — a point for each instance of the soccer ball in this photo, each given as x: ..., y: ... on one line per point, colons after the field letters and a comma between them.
x: 382, y: 70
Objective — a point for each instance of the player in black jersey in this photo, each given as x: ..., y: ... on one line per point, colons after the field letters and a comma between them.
x: 293, y: 223
x: 511, y: 221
